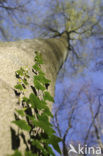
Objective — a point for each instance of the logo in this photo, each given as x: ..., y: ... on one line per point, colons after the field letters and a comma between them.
x: 85, y: 149
x: 72, y: 149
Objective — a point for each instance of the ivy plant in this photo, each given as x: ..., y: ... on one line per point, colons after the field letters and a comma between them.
x: 34, y: 115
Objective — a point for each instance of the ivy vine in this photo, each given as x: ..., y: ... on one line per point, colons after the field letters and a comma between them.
x: 34, y: 115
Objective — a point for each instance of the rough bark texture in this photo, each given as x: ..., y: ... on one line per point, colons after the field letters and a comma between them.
x: 13, y: 55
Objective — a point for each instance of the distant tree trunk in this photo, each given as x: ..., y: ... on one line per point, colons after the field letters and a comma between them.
x: 65, y: 150
x: 13, y: 55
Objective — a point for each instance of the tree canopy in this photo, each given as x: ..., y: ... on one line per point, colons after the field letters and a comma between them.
x: 79, y: 18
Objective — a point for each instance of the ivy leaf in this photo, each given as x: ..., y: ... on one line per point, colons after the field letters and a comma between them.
x: 19, y: 86
x: 25, y: 81
x: 21, y: 112
x: 36, y: 67
x: 41, y: 73
x: 20, y: 72
x: 48, y: 112
x: 38, y: 85
x: 39, y: 146
x: 25, y: 99
x: 54, y: 140
x: 46, y: 126
x: 22, y: 124
x: 50, y: 151
x: 42, y: 79
x: 43, y: 104
x: 38, y: 58
x: 43, y: 117
x: 35, y: 101
x: 37, y: 143
x: 48, y: 97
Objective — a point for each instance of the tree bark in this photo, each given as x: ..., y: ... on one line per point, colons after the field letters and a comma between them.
x: 13, y: 55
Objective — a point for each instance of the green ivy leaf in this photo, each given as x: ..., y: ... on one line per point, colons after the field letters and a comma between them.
x: 35, y: 101
x: 48, y: 97
x: 22, y: 124
x: 25, y: 81
x: 36, y: 67
x: 46, y: 126
x: 20, y: 72
x: 42, y: 79
x: 50, y: 151
x: 19, y: 86
x: 38, y: 58
x: 25, y: 99
x: 44, y: 117
x: 54, y: 140
x: 37, y: 143
x: 38, y: 85
x: 48, y: 112
x: 21, y: 112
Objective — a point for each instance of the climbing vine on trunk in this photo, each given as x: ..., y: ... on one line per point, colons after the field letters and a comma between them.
x: 34, y: 115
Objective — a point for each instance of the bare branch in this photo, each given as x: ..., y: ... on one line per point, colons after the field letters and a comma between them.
x: 93, y: 121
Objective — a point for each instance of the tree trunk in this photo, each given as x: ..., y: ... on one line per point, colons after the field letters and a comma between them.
x: 13, y: 55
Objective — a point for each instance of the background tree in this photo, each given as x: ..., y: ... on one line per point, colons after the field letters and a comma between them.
x: 82, y: 122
